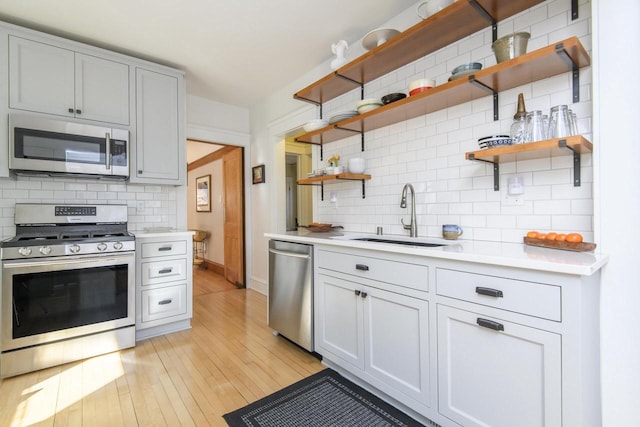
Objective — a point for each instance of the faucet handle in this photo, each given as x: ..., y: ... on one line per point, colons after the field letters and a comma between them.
x: 406, y: 227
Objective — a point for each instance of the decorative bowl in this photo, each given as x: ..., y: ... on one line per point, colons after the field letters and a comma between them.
x: 494, y: 141
x: 393, y: 97
x: 375, y: 38
x: 356, y: 165
x: 421, y: 85
x: 316, y: 124
x: 466, y: 68
x: 368, y: 104
x: 510, y: 46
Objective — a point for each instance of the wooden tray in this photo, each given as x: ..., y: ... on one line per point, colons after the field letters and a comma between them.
x: 320, y: 228
x: 567, y: 246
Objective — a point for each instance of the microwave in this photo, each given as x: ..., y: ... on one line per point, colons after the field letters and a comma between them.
x: 39, y: 145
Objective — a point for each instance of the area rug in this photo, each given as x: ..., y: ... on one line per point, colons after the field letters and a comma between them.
x: 321, y: 400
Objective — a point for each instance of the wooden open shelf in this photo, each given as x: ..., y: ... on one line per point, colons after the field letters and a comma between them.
x: 570, y: 145
x: 567, y: 55
x: 453, y: 23
x: 320, y: 180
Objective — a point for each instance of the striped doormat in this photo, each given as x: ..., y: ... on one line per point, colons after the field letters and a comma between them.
x: 323, y: 399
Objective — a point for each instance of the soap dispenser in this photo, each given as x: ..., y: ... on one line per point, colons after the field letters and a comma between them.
x: 518, y: 126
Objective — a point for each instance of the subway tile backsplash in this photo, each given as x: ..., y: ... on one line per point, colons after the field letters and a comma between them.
x: 429, y: 151
x: 148, y: 205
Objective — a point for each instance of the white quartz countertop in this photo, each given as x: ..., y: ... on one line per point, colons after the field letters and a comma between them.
x: 162, y: 232
x: 494, y: 253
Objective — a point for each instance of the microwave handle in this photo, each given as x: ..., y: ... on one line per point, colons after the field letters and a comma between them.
x: 107, y: 162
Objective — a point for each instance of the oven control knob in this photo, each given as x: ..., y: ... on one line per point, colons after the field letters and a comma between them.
x: 45, y: 250
x: 102, y: 247
x: 24, y: 251
x: 74, y: 249
x: 117, y: 246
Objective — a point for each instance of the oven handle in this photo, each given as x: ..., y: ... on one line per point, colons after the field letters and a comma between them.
x: 66, y: 261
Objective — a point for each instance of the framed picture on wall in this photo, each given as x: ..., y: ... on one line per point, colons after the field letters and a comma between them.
x: 258, y: 174
x: 203, y: 194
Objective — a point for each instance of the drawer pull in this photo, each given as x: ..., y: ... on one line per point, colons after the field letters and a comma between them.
x: 489, y: 292
x: 362, y: 267
x: 165, y: 301
x: 165, y: 270
x: 164, y: 248
x: 357, y: 293
x: 490, y: 324
x: 363, y: 295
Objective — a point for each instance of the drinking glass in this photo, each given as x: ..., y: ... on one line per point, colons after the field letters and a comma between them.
x: 560, y: 122
x: 535, y: 130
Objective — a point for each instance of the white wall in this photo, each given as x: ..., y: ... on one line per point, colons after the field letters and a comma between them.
x: 617, y: 193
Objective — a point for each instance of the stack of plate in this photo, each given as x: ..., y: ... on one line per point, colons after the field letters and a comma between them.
x: 465, y: 70
x: 343, y: 115
x: 494, y: 141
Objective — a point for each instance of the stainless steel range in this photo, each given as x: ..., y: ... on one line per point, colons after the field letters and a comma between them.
x: 67, y: 285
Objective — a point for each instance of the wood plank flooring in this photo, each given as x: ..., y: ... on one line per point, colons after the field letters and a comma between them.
x: 190, y: 378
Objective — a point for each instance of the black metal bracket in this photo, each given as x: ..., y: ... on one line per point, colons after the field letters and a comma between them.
x: 321, y: 185
x: 496, y: 171
x: 488, y: 17
x: 473, y: 81
x: 576, y: 162
x: 574, y: 10
x: 357, y: 83
x: 575, y: 71
x: 353, y: 179
x: 354, y: 131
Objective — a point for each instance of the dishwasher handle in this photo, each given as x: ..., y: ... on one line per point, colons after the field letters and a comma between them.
x: 290, y: 254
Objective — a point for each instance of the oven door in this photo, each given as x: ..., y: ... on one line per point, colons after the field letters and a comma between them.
x: 48, y: 300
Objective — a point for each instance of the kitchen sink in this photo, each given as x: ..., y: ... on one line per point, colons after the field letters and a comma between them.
x: 394, y: 240
x: 400, y: 242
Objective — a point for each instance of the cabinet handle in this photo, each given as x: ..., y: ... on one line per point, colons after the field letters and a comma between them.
x: 70, y: 110
x: 489, y: 292
x: 362, y: 267
x: 78, y: 111
x: 164, y: 248
x: 139, y: 171
x: 357, y: 293
x: 490, y: 324
x: 363, y: 295
x: 166, y: 270
x: 165, y: 302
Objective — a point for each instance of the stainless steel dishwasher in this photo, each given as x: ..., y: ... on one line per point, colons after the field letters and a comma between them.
x: 290, y: 308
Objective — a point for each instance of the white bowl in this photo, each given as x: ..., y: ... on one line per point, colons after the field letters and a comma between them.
x: 431, y: 7
x: 356, y: 165
x: 368, y: 104
x: 316, y: 124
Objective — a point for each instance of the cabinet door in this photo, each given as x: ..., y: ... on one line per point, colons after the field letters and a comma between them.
x: 101, y: 90
x: 397, y: 343
x: 339, y: 324
x: 41, y: 77
x: 158, y: 148
x: 497, y: 378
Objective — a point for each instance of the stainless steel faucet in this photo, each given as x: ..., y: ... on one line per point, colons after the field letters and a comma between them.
x: 413, y: 227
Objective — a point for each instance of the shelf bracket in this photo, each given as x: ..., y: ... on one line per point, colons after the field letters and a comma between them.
x: 496, y: 171
x: 473, y: 81
x: 354, y: 131
x: 576, y: 162
x: 488, y: 17
x: 321, y: 185
x: 300, y: 98
x: 357, y: 83
x: 574, y: 10
x: 350, y: 179
x: 575, y: 71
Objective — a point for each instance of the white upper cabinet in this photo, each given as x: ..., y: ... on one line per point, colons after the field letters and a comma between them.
x: 53, y: 80
x: 160, y: 142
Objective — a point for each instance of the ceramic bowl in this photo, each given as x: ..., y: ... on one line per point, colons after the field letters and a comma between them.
x: 367, y: 105
x: 494, y: 141
x: 356, y: 165
x: 510, y: 46
x: 421, y: 85
x: 316, y: 124
x: 466, y: 68
x: 393, y: 97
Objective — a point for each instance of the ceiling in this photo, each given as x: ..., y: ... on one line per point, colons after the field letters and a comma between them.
x: 233, y: 51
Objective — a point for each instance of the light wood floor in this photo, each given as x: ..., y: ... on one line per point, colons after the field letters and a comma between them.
x: 190, y: 378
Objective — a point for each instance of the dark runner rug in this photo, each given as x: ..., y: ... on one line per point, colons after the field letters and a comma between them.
x: 321, y: 400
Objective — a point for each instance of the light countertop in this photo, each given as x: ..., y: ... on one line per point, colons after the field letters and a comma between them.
x: 162, y: 232
x: 495, y: 253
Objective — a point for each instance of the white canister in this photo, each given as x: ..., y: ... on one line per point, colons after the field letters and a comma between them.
x: 356, y: 165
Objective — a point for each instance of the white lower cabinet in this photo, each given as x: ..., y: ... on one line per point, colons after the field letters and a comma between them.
x: 375, y: 330
x: 494, y: 373
x: 164, y: 287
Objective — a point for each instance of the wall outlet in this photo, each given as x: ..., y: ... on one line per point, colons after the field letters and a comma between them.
x: 512, y: 200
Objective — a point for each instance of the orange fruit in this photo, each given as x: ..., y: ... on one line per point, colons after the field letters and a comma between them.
x: 532, y: 234
x: 541, y: 236
x: 560, y: 237
x: 574, y: 237
x: 551, y: 236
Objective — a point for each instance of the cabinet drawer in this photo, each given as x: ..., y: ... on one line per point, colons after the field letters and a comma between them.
x: 164, y: 302
x: 163, y: 271
x: 414, y: 276
x: 175, y: 247
x: 534, y: 299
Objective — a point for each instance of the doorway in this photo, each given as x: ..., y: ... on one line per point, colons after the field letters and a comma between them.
x: 299, y: 198
x: 221, y: 166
